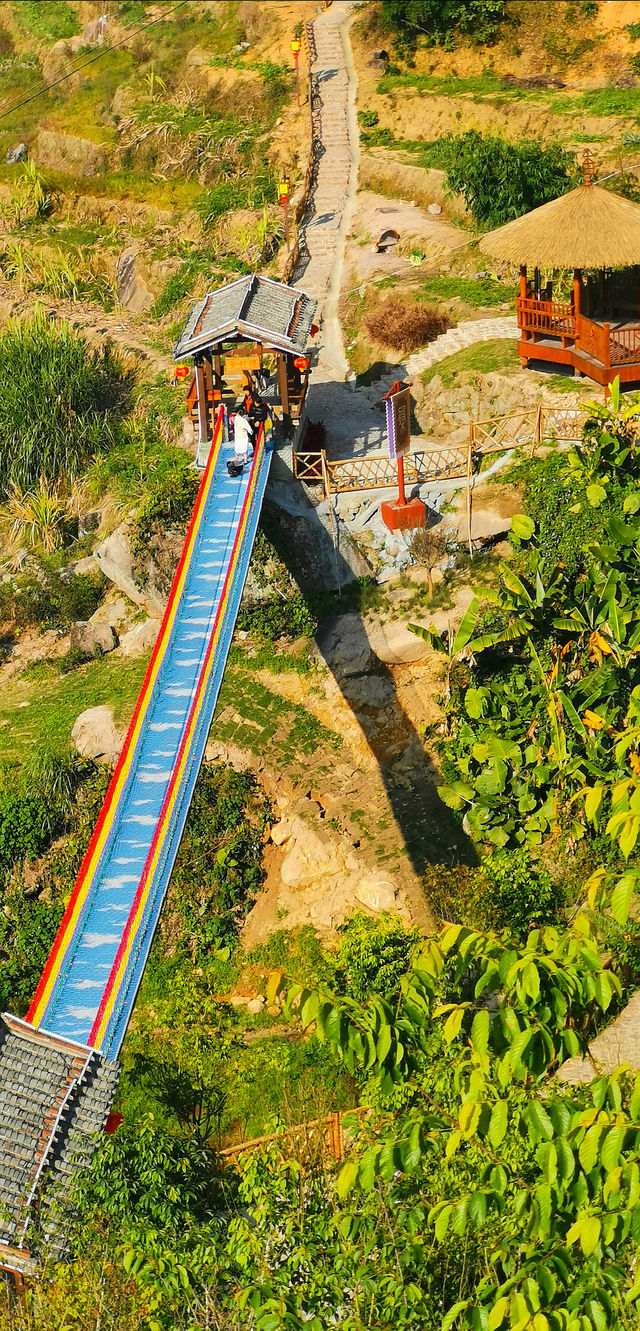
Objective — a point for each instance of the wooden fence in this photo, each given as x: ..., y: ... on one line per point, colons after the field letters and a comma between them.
x: 498, y: 434
x: 319, y: 1139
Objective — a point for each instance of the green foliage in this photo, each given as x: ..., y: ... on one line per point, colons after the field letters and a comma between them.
x: 477, y: 292
x: 501, y: 180
x: 440, y: 21
x: 509, y: 892
x: 170, y: 504
x: 218, y: 871
x: 367, y: 119
x: 557, y: 673
x: 51, y: 21
x: 373, y: 956
x: 58, y: 403
x: 27, y: 931
x: 45, y: 599
x: 254, y: 192
x: 274, y: 618
x: 24, y: 827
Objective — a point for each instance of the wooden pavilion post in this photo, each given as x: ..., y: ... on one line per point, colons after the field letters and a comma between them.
x: 577, y: 287
x: 201, y: 398
x: 283, y: 383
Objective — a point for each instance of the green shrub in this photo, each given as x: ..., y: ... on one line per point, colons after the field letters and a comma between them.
x: 24, y: 827
x: 53, y: 20
x: 565, y: 524
x: 509, y: 891
x: 500, y: 180
x: 437, y: 21
x: 275, y: 618
x: 373, y: 956
x: 367, y: 119
x: 46, y: 599
x: 27, y: 930
x: 169, y: 505
x: 58, y: 403
x: 218, y: 871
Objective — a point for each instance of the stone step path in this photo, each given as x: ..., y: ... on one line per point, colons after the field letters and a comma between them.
x: 457, y: 339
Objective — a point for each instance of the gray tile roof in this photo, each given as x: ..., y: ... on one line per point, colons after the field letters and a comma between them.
x: 254, y: 306
x: 54, y: 1101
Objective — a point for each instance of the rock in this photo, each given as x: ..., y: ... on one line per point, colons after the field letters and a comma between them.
x: 85, y: 567
x: 96, y: 736
x: 133, y: 292
x: 377, y: 894
x: 115, y: 559
x: 56, y: 63
x: 68, y: 153
x: 395, y: 644
x: 281, y: 832
x: 17, y: 154
x: 95, y: 30
x: 344, y: 646
x: 89, y: 521
x: 114, y: 611
x: 435, y: 209
x: 309, y: 537
x: 256, y: 1005
x: 141, y: 639
x: 92, y: 638
x: 369, y: 691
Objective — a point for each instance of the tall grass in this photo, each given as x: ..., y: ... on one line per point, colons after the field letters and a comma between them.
x: 59, y: 404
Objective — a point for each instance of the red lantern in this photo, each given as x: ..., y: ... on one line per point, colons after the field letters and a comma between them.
x: 182, y: 372
x: 301, y: 363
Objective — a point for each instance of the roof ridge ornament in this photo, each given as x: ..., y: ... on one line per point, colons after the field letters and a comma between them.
x: 588, y: 167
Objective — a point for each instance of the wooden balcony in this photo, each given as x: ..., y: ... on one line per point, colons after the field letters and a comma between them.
x: 551, y: 330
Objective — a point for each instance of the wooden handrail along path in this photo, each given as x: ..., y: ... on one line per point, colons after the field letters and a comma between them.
x: 497, y: 434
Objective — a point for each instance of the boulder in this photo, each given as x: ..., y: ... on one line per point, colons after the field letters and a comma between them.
x: 395, y: 644
x: 17, y: 154
x: 281, y: 832
x: 377, y: 894
x: 256, y: 1005
x: 88, y: 565
x: 369, y: 691
x: 90, y: 638
x: 89, y: 521
x: 70, y: 154
x: 116, y: 562
x: 141, y: 639
x: 56, y: 64
x: 96, y: 736
x: 133, y: 292
x: 343, y: 645
x: 95, y: 30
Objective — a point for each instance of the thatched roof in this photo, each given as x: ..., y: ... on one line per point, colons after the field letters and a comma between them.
x: 587, y: 228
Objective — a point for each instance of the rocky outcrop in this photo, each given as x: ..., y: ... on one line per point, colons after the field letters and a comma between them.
x: 312, y: 542
x: 323, y: 880
x: 95, y: 735
x: 115, y: 559
x: 133, y: 292
x: 141, y: 639
x: 67, y: 153
x: 92, y: 639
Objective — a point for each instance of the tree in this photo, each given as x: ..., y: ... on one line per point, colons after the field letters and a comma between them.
x: 437, y: 20
x: 500, y: 181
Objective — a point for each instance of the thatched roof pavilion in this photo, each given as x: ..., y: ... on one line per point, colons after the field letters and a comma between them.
x: 588, y: 228
x: 598, y: 330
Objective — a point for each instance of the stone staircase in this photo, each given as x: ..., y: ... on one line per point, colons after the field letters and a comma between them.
x: 457, y: 339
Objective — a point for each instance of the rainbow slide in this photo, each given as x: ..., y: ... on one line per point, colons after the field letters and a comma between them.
x: 89, y: 985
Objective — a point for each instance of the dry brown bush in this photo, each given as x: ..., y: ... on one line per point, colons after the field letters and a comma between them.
x: 404, y: 327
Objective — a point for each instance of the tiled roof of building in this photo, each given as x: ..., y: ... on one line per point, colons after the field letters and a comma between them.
x: 54, y: 1101
x: 253, y: 307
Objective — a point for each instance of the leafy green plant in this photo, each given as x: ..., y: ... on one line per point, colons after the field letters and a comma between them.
x: 40, y: 518
x: 500, y: 180
x: 373, y: 956
x: 439, y: 21
x: 509, y: 891
x: 60, y: 402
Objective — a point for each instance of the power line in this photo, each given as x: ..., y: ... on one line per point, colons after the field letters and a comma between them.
x: 105, y: 50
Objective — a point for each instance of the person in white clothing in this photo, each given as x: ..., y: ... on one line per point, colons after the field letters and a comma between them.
x: 242, y: 436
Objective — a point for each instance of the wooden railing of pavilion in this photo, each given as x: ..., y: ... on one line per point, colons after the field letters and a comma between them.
x: 597, y: 347
x: 497, y: 434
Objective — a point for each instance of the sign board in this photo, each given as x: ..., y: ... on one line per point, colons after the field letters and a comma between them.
x: 399, y: 423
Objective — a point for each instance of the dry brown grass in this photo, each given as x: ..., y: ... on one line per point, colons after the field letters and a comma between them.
x: 404, y: 327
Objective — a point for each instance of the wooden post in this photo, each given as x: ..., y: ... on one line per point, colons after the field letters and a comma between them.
x: 523, y: 281
x: 283, y: 382
x: 201, y: 396
x: 577, y: 283
x: 402, y: 498
x: 469, y: 492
